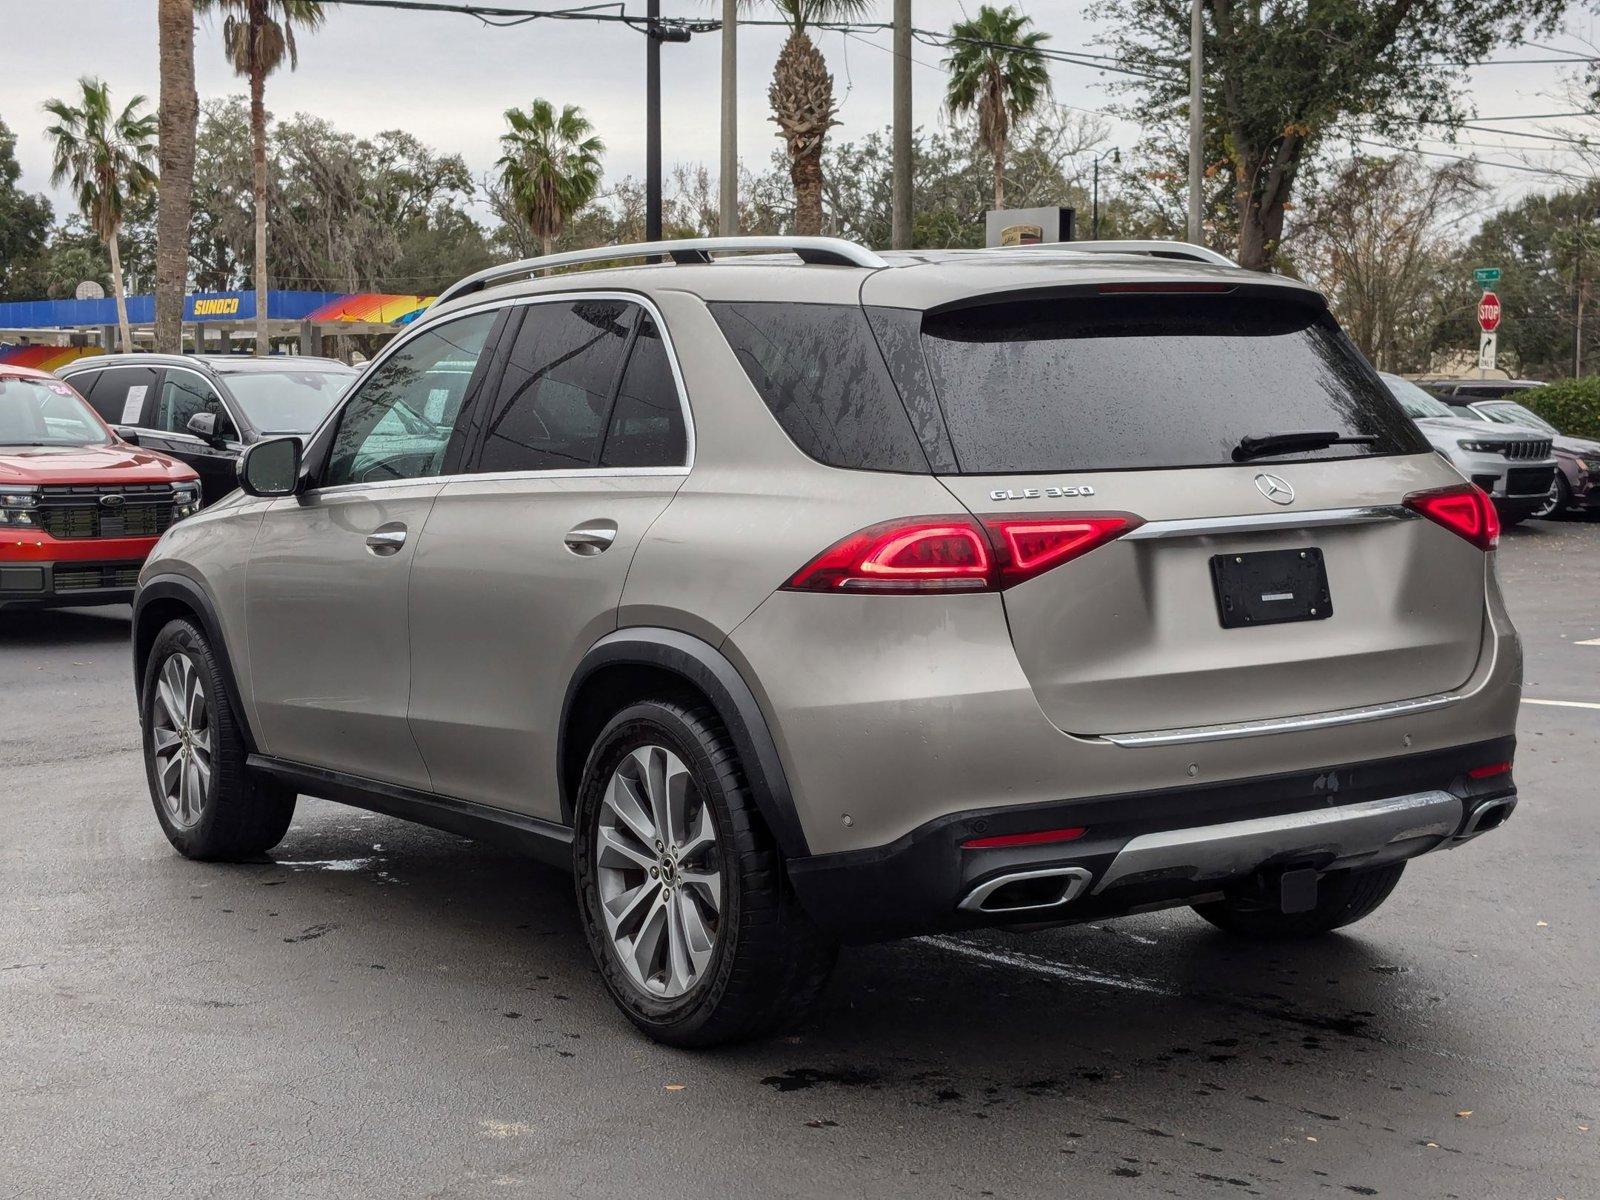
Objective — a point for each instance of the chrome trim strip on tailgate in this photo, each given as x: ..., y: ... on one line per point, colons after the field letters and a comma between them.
x: 1227, y: 851
x: 1312, y: 518
x: 1270, y: 725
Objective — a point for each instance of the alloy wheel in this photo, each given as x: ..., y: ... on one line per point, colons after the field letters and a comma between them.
x: 180, y: 739
x: 1551, y: 501
x: 659, y: 872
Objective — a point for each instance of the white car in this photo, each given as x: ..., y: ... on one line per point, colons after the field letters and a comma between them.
x: 1515, y: 466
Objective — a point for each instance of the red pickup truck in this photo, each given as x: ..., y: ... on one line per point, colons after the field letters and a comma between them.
x: 79, y: 507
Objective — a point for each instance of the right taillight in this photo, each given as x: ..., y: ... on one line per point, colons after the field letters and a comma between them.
x: 956, y: 553
x: 1465, y: 510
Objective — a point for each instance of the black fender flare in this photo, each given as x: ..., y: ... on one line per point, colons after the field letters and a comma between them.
x: 709, y: 670
x: 198, y: 601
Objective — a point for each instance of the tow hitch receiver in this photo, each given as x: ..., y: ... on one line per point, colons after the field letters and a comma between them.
x: 1297, y: 890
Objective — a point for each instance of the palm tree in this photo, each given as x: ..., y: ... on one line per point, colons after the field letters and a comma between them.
x: 803, y: 104
x: 551, y: 166
x: 106, y: 157
x: 257, y: 35
x: 180, y: 111
x: 995, y: 68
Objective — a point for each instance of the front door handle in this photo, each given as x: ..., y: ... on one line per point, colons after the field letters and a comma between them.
x: 591, y: 538
x: 386, y: 540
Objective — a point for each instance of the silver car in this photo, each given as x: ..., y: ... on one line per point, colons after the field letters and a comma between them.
x: 1516, y: 466
x: 826, y: 596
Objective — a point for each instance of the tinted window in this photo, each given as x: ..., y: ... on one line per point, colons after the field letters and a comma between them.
x: 287, y: 401
x: 398, y: 424
x: 1149, y: 381
x: 550, y: 409
x: 120, y: 392
x: 646, y: 428
x: 821, y: 373
x: 184, y: 395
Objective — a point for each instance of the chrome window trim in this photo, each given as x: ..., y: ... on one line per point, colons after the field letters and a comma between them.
x: 506, y: 302
x: 1272, y: 725
x: 1313, y: 518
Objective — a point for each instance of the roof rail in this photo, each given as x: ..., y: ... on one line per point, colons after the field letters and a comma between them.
x: 825, y: 251
x: 1154, y: 247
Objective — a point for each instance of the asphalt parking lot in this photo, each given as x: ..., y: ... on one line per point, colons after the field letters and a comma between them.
x: 384, y: 1010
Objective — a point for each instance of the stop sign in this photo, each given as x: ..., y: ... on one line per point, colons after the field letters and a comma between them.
x: 1489, y: 312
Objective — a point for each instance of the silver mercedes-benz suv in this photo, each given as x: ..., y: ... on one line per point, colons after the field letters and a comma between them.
x: 821, y: 596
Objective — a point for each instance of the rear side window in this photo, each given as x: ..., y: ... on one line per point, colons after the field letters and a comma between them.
x: 821, y: 373
x: 120, y: 392
x: 646, y: 427
x: 550, y: 411
x: 1150, y: 381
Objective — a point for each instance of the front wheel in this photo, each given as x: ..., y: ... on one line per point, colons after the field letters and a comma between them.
x: 1343, y: 898
x: 1558, y: 500
x: 682, y: 893
x: 209, y: 805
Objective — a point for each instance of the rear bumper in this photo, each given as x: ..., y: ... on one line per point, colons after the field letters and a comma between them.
x: 60, y: 584
x: 1156, y: 849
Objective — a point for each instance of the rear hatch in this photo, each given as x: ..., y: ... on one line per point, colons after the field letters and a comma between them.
x: 1256, y: 589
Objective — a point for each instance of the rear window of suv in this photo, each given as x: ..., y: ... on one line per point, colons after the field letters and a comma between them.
x: 1125, y: 382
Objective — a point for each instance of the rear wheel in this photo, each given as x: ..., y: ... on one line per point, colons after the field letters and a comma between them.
x: 682, y: 892
x: 1343, y: 898
x: 208, y: 804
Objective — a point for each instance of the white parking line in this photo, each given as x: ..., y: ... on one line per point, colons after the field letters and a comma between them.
x: 1562, y: 703
x: 1044, y: 966
x: 1589, y: 642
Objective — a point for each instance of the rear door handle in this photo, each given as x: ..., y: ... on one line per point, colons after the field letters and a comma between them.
x: 591, y: 538
x: 386, y: 540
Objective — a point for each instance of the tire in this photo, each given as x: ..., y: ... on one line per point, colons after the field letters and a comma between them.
x: 1343, y: 898
x: 1560, y: 499
x: 767, y: 962
x: 226, y: 814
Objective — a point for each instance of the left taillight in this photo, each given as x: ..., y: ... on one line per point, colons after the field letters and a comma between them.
x: 956, y: 553
x: 1464, y: 509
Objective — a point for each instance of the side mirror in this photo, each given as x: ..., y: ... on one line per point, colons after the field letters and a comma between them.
x: 127, y: 434
x: 204, y: 425
x: 271, y: 468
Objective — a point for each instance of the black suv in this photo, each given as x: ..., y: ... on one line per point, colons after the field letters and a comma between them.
x: 204, y: 409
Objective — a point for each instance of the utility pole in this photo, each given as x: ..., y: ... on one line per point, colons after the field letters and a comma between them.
x: 652, y: 133
x: 1196, y: 121
x: 1577, y: 331
x: 900, y: 226
x: 728, y: 182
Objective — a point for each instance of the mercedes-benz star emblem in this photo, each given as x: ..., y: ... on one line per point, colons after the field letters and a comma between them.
x: 1275, y: 488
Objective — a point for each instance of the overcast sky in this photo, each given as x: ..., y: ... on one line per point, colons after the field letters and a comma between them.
x: 447, y: 78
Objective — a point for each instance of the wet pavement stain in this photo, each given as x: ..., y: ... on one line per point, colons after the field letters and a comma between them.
x: 797, y: 1079
x: 312, y: 932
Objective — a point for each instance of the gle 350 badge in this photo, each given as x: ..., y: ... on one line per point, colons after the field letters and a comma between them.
x: 1044, y: 493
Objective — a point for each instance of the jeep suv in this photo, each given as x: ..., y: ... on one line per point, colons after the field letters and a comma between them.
x: 825, y: 596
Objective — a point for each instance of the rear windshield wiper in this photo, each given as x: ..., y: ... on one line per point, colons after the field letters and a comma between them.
x: 1288, y: 443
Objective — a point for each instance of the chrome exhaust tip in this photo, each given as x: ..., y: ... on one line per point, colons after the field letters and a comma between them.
x: 1026, y: 891
x: 1486, y: 817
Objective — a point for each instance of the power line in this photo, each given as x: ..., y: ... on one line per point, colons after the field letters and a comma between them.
x: 1479, y: 161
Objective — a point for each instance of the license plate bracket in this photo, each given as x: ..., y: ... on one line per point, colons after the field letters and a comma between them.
x: 1271, y: 587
